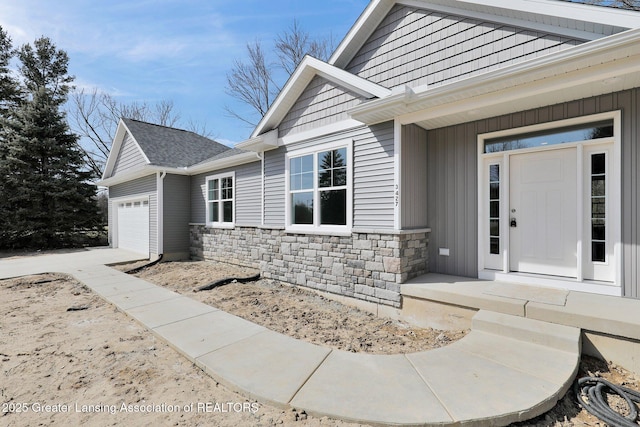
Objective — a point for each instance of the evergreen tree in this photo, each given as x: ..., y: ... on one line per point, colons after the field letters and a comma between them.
x: 9, y: 92
x: 47, y: 194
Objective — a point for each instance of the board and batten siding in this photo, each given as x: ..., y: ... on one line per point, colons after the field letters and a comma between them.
x: 320, y: 104
x: 129, y: 156
x: 247, y: 195
x: 176, y: 197
x: 138, y: 187
x: 452, y: 182
x: 414, y: 177
x: 417, y: 47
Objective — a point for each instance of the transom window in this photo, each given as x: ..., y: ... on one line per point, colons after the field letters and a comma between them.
x: 565, y: 135
x: 220, y: 199
x: 319, y: 188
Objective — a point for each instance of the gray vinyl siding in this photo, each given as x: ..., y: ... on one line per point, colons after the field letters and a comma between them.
x: 274, y: 187
x: 129, y: 156
x: 176, y: 196
x: 247, y: 194
x: 452, y: 182
x: 139, y: 187
x: 414, y: 177
x: 416, y: 47
x: 321, y: 104
x: 374, y: 178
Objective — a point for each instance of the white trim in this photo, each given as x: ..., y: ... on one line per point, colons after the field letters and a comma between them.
x: 115, y: 201
x: 614, y: 221
x: 509, y: 20
x: 118, y: 140
x: 262, y: 189
x: 340, y: 126
x: 226, y: 162
x: 262, y: 143
x: 221, y: 223
x: 601, y: 66
x: 316, y: 227
x: 297, y: 83
x: 160, y: 222
x: 569, y: 17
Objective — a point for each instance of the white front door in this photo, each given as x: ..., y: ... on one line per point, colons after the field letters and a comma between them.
x: 542, y: 213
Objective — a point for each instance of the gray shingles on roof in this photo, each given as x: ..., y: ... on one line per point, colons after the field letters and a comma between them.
x: 171, y: 147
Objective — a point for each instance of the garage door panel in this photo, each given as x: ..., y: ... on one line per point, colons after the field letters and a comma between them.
x: 133, y: 226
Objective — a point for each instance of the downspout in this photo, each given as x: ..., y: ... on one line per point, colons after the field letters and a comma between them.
x: 160, y: 220
x: 261, y: 157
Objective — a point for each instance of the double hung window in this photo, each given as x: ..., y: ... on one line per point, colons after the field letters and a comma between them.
x: 220, y: 199
x: 319, y: 188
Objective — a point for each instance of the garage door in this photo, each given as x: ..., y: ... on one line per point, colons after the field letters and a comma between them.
x: 133, y: 226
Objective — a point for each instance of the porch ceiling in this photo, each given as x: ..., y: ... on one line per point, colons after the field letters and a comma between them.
x: 599, y: 67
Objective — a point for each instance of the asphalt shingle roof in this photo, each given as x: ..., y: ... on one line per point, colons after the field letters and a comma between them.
x: 166, y: 146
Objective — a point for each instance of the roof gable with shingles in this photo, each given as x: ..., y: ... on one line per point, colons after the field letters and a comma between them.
x: 171, y: 147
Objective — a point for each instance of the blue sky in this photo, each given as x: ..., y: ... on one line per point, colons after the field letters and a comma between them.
x: 180, y: 50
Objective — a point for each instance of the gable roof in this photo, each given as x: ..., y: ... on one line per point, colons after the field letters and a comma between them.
x: 302, y: 76
x: 162, y: 145
x: 166, y: 146
x: 576, y: 20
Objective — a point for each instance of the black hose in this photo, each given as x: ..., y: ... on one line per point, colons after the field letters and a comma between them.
x: 222, y: 282
x: 591, y: 393
x: 142, y: 267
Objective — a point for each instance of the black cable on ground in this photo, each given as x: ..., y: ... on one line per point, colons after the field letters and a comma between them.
x: 142, y: 267
x: 221, y: 282
x: 591, y: 393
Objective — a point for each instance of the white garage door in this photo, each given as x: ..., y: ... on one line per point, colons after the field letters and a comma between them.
x: 133, y: 226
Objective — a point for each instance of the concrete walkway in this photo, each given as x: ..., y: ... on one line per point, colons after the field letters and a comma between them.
x: 506, y: 369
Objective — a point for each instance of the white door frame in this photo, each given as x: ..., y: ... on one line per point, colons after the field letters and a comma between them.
x: 114, y: 214
x: 496, y: 267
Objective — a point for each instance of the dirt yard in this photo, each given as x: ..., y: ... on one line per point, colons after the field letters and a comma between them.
x: 77, y: 367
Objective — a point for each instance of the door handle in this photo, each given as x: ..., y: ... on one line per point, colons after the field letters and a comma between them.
x: 513, y: 223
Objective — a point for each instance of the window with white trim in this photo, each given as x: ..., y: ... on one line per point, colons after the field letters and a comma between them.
x: 319, y: 188
x: 220, y: 209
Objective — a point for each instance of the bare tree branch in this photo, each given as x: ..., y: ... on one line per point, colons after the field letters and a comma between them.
x: 95, y: 117
x: 253, y: 82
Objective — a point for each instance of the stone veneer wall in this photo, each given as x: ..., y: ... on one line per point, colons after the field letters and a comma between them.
x: 367, y: 266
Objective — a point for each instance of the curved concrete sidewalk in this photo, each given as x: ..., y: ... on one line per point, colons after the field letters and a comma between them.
x: 506, y: 369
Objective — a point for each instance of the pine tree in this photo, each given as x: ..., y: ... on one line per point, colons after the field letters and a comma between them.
x: 47, y: 194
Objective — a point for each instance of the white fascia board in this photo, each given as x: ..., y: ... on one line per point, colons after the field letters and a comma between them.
x: 577, y: 13
x: 341, y: 126
x: 609, y: 50
x: 302, y: 76
x: 449, y: 8
x: 364, y: 26
x: 227, y: 162
x: 116, y: 145
x: 128, y: 176
x: 265, y: 142
x: 565, y: 10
